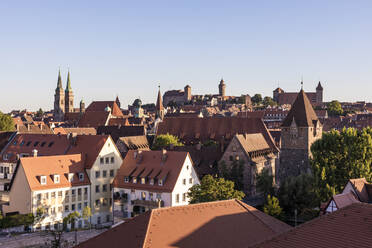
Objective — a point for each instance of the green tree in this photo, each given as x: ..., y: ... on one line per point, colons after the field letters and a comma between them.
x: 40, y: 215
x: 87, y: 213
x: 165, y: 140
x: 340, y: 156
x: 213, y: 189
x: 39, y: 113
x: 265, y: 183
x: 234, y: 173
x: 71, y: 218
x: 298, y: 193
x: 334, y: 108
x: 272, y: 207
x: 268, y: 101
x: 6, y: 122
x: 257, y: 99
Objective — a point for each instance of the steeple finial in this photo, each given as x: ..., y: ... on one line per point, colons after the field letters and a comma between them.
x: 302, y: 83
x: 68, y: 86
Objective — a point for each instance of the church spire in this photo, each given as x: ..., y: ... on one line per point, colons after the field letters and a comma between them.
x: 59, y: 82
x: 159, y: 106
x: 68, y: 86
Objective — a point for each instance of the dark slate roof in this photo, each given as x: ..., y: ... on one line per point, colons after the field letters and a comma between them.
x: 121, y: 131
x: 302, y: 112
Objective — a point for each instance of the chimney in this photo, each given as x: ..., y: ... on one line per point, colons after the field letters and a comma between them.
x: 17, y: 127
x: 28, y: 127
x: 41, y: 127
x: 34, y: 153
x: 164, y: 155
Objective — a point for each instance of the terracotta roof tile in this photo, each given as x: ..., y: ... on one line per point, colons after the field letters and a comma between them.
x: 100, y: 106
x: 349, y: 227
x: 94, y: 119
x: 121, y: 131
x: 135, y: 142
x: 215, y: 224
x: 48, y: 166
x: 360, y: 186
x: 343, y: 200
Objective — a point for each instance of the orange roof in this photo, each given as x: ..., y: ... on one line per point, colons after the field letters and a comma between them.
x: 94, y: 119
x: 151, y: 165
x: 48, y: 166
x: 89, y: 146
x: 360, y: 187
x: 100, y: 106
x: 228, y: 223
x: 348, y: 227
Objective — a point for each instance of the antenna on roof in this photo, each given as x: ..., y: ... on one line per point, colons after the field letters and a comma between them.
x: 302, y: 82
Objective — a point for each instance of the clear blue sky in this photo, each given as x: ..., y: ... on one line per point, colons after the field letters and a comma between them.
x: 129, y: 47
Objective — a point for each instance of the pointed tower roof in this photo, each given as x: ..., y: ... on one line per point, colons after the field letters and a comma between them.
x: 59, y: 82
x: 159, y: 101
x: 222, y: 81
x: 302, y: 112
x: 68, y: 86
x: 319, y: 87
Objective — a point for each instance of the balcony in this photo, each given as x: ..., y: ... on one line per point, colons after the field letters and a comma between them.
x: 148, y: 203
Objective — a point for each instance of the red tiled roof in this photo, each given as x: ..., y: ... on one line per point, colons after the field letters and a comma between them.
x: 360, y: 187
x: 228, y: 223
x: 349, y: 227
x: 98, y: 106
x: 150, y: 164
x: 290, y: 97
x: 48, y: 166
x: 94, y: 119
x: 343, y: 200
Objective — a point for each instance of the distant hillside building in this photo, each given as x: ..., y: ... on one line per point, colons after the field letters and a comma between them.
x: 282, y: 97
x: 300, y: 129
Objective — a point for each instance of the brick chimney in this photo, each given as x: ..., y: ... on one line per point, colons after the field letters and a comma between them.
x: 164, y: 155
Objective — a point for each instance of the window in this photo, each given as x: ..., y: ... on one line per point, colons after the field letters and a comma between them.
x: 190, y: 180
x: 79, y: 206
x: 160, y: 182
x: 111, y: 173
x: 36, y: 143
x: 177, y: 198
x: 38, y: 197
x: 152, y: 181
x: 72, y: 207
x: 22, y: 143
x: 107, y: 218
x: 187, y: 167
x: 184, y: 197
x: 134, y: 179
x: 43, y: 180
x: 60, y: 194
x: 104, y: 173
x: 126, y: 179
x: 59, y: 209
x: 81, y: 176
x: 56, y: 178
x: 101, y: 160
x: 85, y: 204
x: 85, y: 191
x: 112, y: 160
x: 98, y: 203
x: 107, y: 160
x: 104, y: 188
x: 50, y: 144
x: 46, y: 195
x: 143, y: 195
x: 28, y: 143
x: 43, y: 144
x: 184, y: 181
x: 97, y: 174
x: 73, y: 192
x: 231, y: 158
x: 151, y: 195
x: 97, y: 188
x: 53, y: 195
x: 52, y: 210
x: 143, y: 180
x: 70, y: 177
x: 79, y: 191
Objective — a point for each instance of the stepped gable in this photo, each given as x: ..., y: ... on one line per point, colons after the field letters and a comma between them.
x: 302, y: 112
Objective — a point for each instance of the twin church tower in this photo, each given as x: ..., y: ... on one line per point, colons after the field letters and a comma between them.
x: 63, y: 99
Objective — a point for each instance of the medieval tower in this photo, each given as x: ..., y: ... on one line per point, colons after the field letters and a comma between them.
x: 300, y: 129
x: 59, y: 100
x: 222, y: 88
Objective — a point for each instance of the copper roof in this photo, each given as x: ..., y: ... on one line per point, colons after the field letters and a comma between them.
x: 166, y: 167
x: 48, y: 166
x: 228, y: 223
x: 349, y: 227
x: 302, y: 112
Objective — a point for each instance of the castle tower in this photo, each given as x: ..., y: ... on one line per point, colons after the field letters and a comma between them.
x: 159, y: 107
x: 187, y: 93
x: 117, y: 101
x: 300, y: 129
x: 69, y: 96
x: 222, y: 88
x: 319, y: 93
x: 59, y: 100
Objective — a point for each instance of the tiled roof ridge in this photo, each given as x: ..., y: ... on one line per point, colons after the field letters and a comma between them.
x: 246, y: 206
x: 192, y: 205
x: 311, y: 222
x: 52, y: 156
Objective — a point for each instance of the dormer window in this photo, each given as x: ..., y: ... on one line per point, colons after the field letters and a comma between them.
x: 143, y: 180
x: 134, y: 179
x: 81, y: 176
x: 160, y: 182
x: 70, y: 177
x: 43, y: 180
x: 126, y: 179
x: 56, y: 178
